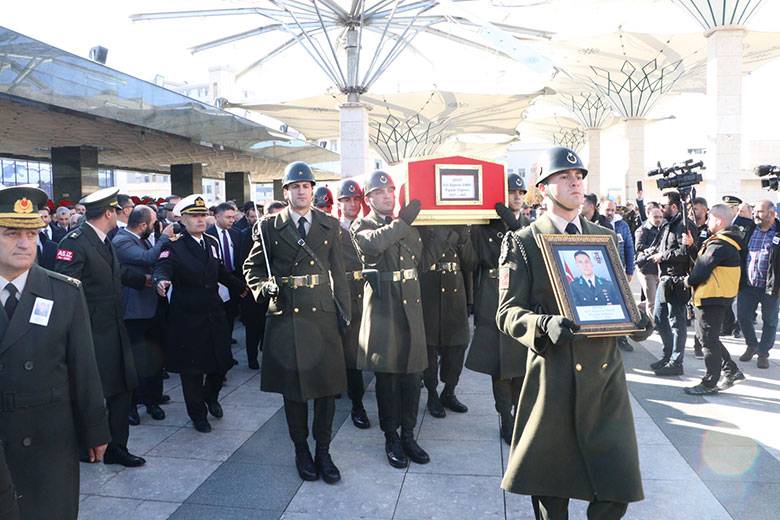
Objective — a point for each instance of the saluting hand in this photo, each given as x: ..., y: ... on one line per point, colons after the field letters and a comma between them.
x: 162, y: 287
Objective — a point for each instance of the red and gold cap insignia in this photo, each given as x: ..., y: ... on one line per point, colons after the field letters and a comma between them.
x: 23, y: 205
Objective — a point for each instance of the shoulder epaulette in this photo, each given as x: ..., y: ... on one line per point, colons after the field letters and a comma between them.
x: 73, y: 234
x: 68, y: 279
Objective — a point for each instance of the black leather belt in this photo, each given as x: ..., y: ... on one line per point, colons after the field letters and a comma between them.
x: 451, y: 267
x: 306, y: 280
x: 10, y: 401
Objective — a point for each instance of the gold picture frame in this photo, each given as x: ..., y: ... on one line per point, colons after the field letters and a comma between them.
x: 443, y: 171
x: 598, y: 298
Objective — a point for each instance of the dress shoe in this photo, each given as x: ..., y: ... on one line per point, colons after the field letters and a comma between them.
x: 395, y: 452
x: 328, y: 470
x: 202, y: 425
x: 215, y: 408
x: 435, y: 407
x: 155, y: 412
x: 669, y: 369
x: 700, y: 389
x: 120, y: 455
x: 307, y: 470
x: 507, y: 428
x: 763, y: 361
x: 413, y: 450
x: 658, y: 364
x: 450, y: 401
x: 728, y: 380
x: 165, y: 399
x: 749, y: 353
x: 165, y: 374
x: 624, y: 345
x: 132, y: 416
x: 360, y: 418
x: 253, y: 364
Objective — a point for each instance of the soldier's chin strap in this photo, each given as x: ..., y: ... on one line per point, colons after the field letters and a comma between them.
x: 559, y: 203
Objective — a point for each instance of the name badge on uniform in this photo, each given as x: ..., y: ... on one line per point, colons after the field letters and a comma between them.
x: 703, y: 233
x: 41, y: 312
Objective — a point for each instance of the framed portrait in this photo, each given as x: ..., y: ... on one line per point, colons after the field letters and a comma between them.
x: 590, y: 283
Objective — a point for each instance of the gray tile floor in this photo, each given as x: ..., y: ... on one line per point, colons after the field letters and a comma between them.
x: 716, y: 457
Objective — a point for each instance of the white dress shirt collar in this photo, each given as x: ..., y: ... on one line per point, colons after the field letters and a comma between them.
x: 102, y: 236
x: 560, y: 223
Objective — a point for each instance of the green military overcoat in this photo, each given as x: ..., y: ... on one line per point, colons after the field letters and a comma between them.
x: 303, y: 356
x: 392, y: 334
x: 351, y: 334
x: 491, y: 352
x: 444, y: 297
x: 574, y: 431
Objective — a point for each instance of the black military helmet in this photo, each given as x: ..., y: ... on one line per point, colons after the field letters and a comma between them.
x: 349, y: 188
x: 515, y: 182
x: 297, y: 171
x: 558, y: 159
x: 378, y: 180
x: 323, y: 197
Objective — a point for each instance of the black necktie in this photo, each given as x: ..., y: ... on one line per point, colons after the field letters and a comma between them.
x: 302, y: 227
x: 571, y: 229
x: 202, y: 244
x: 146, y: 243
x: 388, y: 220
x: 10, y: 303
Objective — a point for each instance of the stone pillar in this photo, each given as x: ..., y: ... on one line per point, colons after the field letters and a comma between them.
x: 594, y: 160
x: 353, y: 139
x: 238, y: 187
x: 74, y: 172
x: 186, y: 179
x: 724, y: 98
x: 637, y: 168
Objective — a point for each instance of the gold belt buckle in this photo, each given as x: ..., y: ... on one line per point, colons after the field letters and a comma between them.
x: 397, y: 276
x: 314, y: 280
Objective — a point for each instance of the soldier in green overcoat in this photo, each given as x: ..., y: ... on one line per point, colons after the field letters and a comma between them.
x: 574, y: 431
x: 492, y: 352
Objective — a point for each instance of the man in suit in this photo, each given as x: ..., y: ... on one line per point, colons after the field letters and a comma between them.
x: 143, y: 318
x: 52, y: 400
x: 126, y: 205
x: 61, y: 223
x: 248, y: 216
x: 86, y: 254
x: 45, y: 214
x: 47, y: 251
x: 590, y: 289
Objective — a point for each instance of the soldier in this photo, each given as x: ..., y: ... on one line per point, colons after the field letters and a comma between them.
x: 303, y: 357
x: 52, y: 400
x: 189, y: 266
x: 492, y: 352
x: 590, y: 289
x: 392, y: 334
x: 323, y: 199
x: 574, y: 431
x: 86, y: 253
x: 447, y: 253
x: 350, y: 203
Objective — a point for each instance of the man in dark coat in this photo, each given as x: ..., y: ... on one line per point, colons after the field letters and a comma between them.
x: 187, y: 272
x: 47, y: 251
x: 574, y: 431
x: 350, y: 201
x: 392, y: 334
x: 87, y: 255
x: 303, y: 358
x: 590, y: 289
x: 52, y: 398
x: 492, y: 352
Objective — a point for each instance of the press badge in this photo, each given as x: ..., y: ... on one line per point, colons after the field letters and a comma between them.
x: 775, y: 241
x: 41, y: 311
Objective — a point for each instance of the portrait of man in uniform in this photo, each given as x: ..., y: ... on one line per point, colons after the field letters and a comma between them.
x: 589, y: 288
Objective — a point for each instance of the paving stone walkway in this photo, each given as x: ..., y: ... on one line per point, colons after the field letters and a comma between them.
x: 715, y: 457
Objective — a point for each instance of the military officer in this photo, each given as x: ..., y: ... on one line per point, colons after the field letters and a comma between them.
x: 492, y: 352
x: 188, y: 271
x: 574, y: 431
x: 392, y: 334
x: 86, y: 254
x: 589, y: 289
x: 350, y: 201
x: 52, y: 400
x: 303, y: 357
x: 447, y: 254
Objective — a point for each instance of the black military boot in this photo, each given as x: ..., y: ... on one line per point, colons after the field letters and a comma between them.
x: 304, y: 463
x: 330, y: 473
x: 394, y: 451
x: 435, y: 407
x: 658, y: 364
x: 132, y: 416
x: 449, y: 400
x: 359, y: 416
x: 507, y: 427
x: 412, y: 449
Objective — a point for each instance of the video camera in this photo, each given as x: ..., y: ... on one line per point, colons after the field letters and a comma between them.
x: 680, y: 177
x: 770, y: 176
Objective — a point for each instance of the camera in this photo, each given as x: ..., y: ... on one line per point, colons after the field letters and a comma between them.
x: 678, y: 176
x: 770, y: 176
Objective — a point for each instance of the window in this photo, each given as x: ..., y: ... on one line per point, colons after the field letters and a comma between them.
x: 105, y: 178
x: 19, y: 171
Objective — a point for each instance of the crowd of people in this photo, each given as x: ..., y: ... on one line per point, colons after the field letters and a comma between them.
x: 120, y: 294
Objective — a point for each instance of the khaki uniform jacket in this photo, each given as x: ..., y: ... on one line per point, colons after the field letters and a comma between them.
x: 491, y: 352
x: 351, y: 335
x: 392, y: 334
x: 52, y: 400
x: 574, y: 431
x: 444, y: 297
x: 81, y: 255
x: 303, y: 357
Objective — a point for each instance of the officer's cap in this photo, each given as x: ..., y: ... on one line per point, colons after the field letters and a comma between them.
x: 105, y: 198
x: 193, y: 204
x: 19, y: 207
x: 732, y: 200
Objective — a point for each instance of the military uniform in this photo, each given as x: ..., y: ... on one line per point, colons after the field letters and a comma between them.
x: 447, y: 253
x: 9, y: 509
x: 598, y: 291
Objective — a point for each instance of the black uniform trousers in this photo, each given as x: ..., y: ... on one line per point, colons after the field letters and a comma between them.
x: 150, y: 387
x: 199, y: 389
x: 452, y: 358
x: 356, y: 388
x: 556, y: 508
x: 709, y: 320
x: 253, y: 316
x: 398, y: 400
x: 297, y: 414
x: 506, y: 393
x: 118, y: 424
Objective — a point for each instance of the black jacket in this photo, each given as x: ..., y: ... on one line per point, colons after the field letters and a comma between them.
x: 676, y: 259
x: 644, y: 237
x: 773, y: 275
x: 237, y: 260
x: 716, y: 272
x: 47, y: 253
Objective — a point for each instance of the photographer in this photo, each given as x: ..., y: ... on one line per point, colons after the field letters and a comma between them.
x: 674, y: 261
x: 647, y: 271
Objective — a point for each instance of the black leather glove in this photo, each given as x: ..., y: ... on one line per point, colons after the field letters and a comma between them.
x: 269, y: 289
x: 409, y: 212
x: 507, y: 216
x: 645, y: 323
x: 558, y: 328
